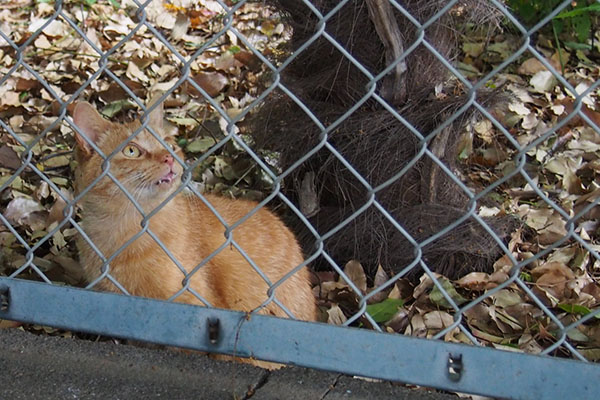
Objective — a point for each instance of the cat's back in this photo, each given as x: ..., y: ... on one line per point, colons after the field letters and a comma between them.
x: 265, y: 239
x: 245, y: 221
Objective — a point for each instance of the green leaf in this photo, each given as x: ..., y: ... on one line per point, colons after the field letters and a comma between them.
x: 90, y: 2
x: 582, y: 25
x: 57, y: 162
x: 184, y: 121
x: 576, y: 309
x: 60, y: 181
x: 525, y: 9
x: 113, y: 108
x: 234, y: 49
x: 200, y: 145
x: 577, y: 335
x: 578, y: 11
x: 384, y: 311
x: 577, y: 46
x: 438, y: 298
x: 115, y: 3
x: 525, y: 276
x: 468, y: 70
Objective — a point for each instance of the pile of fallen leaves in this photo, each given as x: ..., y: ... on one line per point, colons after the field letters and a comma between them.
x: 563, y: 166
x: 559, y: 173
x: 227, y: 70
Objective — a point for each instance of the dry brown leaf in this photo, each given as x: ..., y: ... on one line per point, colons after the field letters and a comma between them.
x: 307, y: 195
x: 457, y: 336
x: 10, y: 98
x: 425, y: 284
x: 180, y: 28
x: 227, y: 63
x: 42, y: 42
x: 24, y: 85
x: 56, y: 28
x: 505, y: 322
x: 497, y: 278
x: 487, y: 336
x: 593, y: 289
x: 381, y: 277
x: 549, y: 224
x: 26, y: 212
x: 328, y: 290
x: 356, y: 273
x: 135, y: 73
x: 4, y: 323
x: 437, y: 320
x: 8, y: 158
x: 527, y: 343
x: 416, y: 327
x: 212, y: 83
x: 249, y: 59
x: 71, y: 266
x: 553, y: 278
x: 543, y: 81
x: 524, y: 313
x: 474, y: 281
x: 399, y: 321
x: 115, y: 92
x: 395, y: 293
x: 479, y: 316
x: 532, y: 65
x: 56, y: 211
x: 335, y: 315
x: 485, y: 130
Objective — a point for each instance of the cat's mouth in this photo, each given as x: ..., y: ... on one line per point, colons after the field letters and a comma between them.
x: 167, y: 179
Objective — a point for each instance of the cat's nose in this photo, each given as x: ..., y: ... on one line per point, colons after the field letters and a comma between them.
x: 168, y: 159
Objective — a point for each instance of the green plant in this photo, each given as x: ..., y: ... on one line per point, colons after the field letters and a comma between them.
x: 574, y: 24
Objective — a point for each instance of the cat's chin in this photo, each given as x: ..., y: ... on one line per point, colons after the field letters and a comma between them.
x: 167, y: 180
x: 156, y: 194
x: 159, y: 189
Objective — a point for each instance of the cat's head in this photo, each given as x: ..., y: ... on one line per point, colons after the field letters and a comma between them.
x: 143, y: 166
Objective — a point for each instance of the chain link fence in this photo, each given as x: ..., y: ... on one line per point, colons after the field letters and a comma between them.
x: 74, y: 50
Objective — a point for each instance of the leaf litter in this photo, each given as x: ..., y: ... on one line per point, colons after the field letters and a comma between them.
x: 563, y: 166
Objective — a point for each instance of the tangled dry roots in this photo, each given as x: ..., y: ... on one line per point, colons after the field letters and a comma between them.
x: 399, y: 164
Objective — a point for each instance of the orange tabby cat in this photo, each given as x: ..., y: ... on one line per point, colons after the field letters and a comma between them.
x: 185, y: 225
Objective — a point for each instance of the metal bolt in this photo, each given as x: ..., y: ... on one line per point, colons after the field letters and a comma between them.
x: 214, y: 329
x: 4, y: 298
x: 455, y: 367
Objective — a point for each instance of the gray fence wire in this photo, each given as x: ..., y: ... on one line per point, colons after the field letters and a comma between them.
x: 185, y: 64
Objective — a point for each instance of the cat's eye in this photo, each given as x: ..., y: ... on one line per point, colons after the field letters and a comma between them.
x: 131, y: 151
x: 171, y: 146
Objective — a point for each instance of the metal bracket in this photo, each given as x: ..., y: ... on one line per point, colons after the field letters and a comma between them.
x: 4, y: 298
x: 325, y: 347
x: 455, y: 367
x: 214, y: 329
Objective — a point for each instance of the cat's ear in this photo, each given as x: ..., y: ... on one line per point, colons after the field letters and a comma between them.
x: 90, y: 123
x: 157, y: 115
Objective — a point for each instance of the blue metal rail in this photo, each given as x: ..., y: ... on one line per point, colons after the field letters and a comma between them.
x: 448, y: 366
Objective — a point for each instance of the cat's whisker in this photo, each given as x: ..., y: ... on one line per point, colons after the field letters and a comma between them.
x: 126, y: 181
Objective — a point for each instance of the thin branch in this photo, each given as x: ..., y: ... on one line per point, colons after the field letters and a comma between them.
x: 394, y: 85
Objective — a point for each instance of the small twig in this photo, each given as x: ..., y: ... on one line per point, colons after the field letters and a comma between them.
x: 244, y: 175
x: 394, y: 86
x: 82, y: 16
x: 65, y: 51
x: 53, y: 155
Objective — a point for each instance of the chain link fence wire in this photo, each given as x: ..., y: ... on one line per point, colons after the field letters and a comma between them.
x: 416, y: 146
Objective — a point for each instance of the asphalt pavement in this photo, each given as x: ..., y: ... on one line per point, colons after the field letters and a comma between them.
x: 48, y: 367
